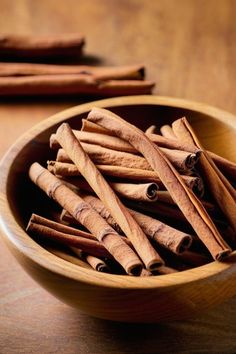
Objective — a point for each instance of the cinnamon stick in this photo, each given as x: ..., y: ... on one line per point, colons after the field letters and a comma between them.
x: 167, y: 131
x: 135, y: 191
x: 227, y: 167
x: 130, y: 228
x: 151, y: 130
x: 68, y: 257
x: 90, y: 246
x: 182, y: 160
x: 94, y: 128
x: 188, y: 203
x: 168, y: 237
x: 160, y: 140
x: 65, y: 169
x: 104, y: 156
x: 132, y: 72
x: 165, y: 197
x: 222, y: 191
x: 43, y: 47
x: 37, y: 219
x: 87, y: 216
x: 71, y: 84
x: 110, y: 142
x: 96, y: 263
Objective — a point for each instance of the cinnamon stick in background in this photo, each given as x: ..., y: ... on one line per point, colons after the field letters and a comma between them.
x: 71, y: 84
x: 222, y: 191
x: 129, y: 226
x: 41, y: 47
x: 87, y: 216
x: 131, y: 72
x: 191, y: 207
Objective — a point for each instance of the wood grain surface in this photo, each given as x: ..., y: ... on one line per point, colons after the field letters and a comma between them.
x: 189, y: 49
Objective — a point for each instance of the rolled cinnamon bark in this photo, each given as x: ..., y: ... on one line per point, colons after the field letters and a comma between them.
x: 110, y: 142
x: 160, y: 140
x: 68, y: 218
x: 168, y: 237
x: 65, y: 169
x: 132, y: 72
x: 94, y: 128
x: 87, y: 216
x: 103, y: 156
x: 71, y: 84
x: 68, y: 257
x: 151, y: 130
x: 227, y: 167
x: 146, y: 192
x: 221, y: 190
x: 165, y: 197
x: 92, y: 247
x: 96, y: 263
x: 126, y: 222
x: 188, y: 203
x: 37, y: 219
x: 167, y: 131
x: 182, y: 160
x: 43, y: 47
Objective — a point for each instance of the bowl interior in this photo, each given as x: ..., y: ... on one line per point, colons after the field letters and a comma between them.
x: 24, y: 198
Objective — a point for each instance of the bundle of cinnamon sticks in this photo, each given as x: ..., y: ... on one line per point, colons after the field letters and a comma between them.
x: 26, y: 78
x: 134, y: 202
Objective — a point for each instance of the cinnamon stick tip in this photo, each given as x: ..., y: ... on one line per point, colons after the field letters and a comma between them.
x: 223, y: 254
x: 185, y: 244
x: 152, y: 191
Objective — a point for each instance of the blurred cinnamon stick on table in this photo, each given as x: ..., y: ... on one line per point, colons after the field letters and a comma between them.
x: 41, y: 47
x: 130, y: 72
x: 71, y: 84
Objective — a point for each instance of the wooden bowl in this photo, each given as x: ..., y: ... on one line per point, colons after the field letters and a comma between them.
x: 114, y: 297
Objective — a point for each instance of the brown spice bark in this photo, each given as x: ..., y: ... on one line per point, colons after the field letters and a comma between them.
x: 222, y: 191
x: 131, y: 72
x: 130, y: 228
x: 188, y: 203
x: 71, y: 84
x: 87, y: 216
x: 43, y: 47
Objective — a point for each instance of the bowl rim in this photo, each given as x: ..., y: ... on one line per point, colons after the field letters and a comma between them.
x: 17, y: 239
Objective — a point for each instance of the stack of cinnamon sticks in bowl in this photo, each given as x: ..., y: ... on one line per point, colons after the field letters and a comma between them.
x: 19, y: 78
x: 126, y: 243
x: 110, y: 176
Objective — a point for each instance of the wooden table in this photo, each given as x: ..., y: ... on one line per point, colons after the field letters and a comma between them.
x: 189, y: 48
